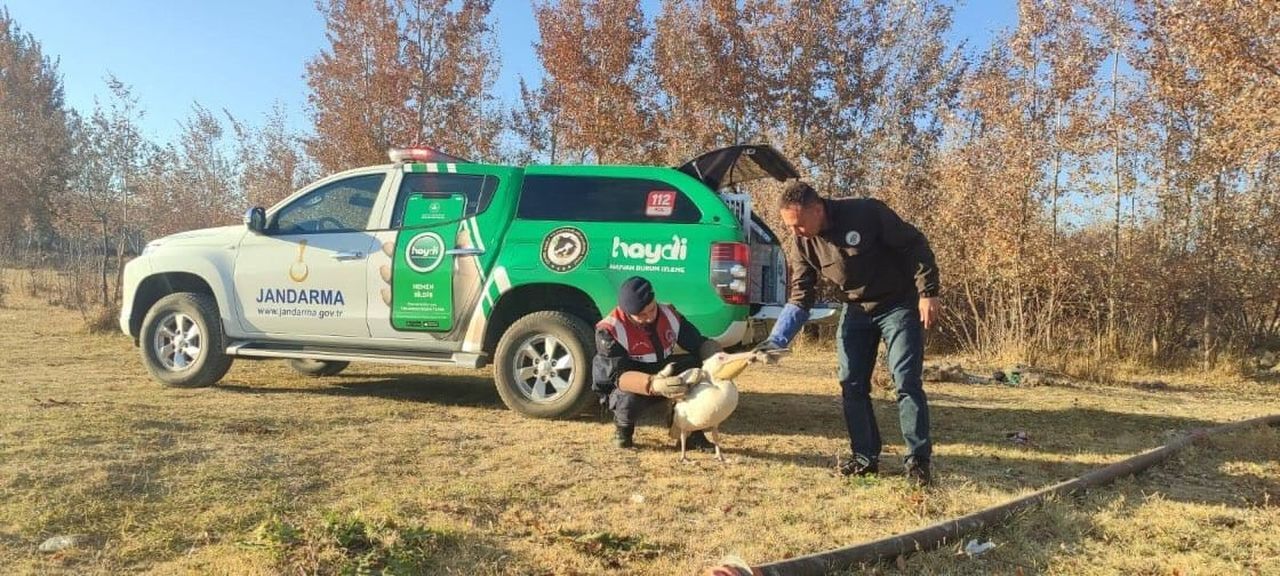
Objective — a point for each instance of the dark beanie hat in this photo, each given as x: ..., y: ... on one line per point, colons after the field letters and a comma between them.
x: 635, y: 294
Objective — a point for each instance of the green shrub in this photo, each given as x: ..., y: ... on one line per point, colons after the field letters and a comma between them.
x: 348, y: 544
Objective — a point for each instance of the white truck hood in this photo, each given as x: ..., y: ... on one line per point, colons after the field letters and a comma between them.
x: 202, y: 237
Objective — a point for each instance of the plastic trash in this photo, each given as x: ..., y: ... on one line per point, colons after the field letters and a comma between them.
x: 973, y: 548
x: 57, y: 543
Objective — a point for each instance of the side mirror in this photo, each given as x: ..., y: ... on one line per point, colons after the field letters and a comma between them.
x: 255, y: 219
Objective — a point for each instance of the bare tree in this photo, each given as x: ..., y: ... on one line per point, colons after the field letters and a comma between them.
x: 535, y: 123
x: 270, y: 159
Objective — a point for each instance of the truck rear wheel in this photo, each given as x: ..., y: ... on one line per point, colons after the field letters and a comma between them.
x: 542, y: 366
x: 317, y: 368
x: 181, y: 341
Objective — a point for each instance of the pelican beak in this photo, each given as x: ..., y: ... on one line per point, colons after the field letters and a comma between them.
x: 731, y: 370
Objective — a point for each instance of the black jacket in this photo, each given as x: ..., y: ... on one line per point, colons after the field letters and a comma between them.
x: 869, y: 252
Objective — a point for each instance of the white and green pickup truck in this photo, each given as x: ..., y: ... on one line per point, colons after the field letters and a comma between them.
x: 433, y: 260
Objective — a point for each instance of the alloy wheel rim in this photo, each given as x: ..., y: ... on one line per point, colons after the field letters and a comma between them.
x: 544, y: 368
x: 178, y: 342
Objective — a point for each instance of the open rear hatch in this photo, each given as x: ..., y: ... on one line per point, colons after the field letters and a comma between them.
x: 727, y: 167
x: 723, y: 170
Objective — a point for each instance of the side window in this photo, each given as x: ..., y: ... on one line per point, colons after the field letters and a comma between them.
x: 595, y: 199
x: 478, y: 190
x: 342, y: 206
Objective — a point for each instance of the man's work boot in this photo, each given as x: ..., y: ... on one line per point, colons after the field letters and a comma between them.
x: 918, y: 473
x: 622, y: 436
x: 698, y: 441
x: 859, y: 466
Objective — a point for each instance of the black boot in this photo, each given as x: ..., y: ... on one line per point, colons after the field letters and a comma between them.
x: 622, y: 436
x: 859, y: 466
x: 918, y: 473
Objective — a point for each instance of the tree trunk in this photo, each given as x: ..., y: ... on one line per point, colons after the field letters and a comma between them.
x: 104, y: 260
x: 1051, y: 313
x: 1115, y: 167
x: 1209, y: 326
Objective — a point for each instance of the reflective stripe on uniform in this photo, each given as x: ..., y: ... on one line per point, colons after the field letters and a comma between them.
x: 619, y: 331
x: 672, y: 321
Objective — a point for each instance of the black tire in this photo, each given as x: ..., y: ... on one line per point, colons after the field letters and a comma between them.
x: 318, y: 368
x: 205, y: 367
x: 576, y: 338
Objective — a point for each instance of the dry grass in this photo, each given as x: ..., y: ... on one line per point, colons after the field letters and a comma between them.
x: 426, y: 472
x: 101, y: 319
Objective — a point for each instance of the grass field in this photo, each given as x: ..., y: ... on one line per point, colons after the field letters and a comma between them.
x: 426, y: 472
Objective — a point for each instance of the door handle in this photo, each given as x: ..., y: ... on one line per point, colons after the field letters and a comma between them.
x: 464, y: 251
x: 348, y: 256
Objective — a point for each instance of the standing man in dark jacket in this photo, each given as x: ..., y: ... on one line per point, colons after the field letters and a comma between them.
x: 634, y: 368
x: 887, y: 273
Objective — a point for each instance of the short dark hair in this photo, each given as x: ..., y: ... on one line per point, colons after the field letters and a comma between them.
x: 798, y: 193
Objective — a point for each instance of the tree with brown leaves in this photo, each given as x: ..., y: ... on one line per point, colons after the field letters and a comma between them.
x: 33, y: 151
x: 359, y: 86
x: 595, y: 62
x: 452, y: 56
x: 705, y: 64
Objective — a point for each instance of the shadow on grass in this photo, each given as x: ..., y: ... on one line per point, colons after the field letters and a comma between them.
x: 1010, y: 474
x: 1032, y: 542
x: 1200, y: 475
x: 445, y: 390
x: 1070, y: 431
x: 1268, y: 377
x: 1209, y: 471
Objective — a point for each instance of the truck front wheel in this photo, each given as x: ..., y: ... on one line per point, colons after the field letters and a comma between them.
x: 542, y: 366
x: 181, y: 341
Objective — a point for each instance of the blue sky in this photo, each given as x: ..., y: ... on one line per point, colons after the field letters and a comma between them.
x: 244, y: 56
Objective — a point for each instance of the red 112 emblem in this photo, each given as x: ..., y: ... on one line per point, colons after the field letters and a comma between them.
x: 660, y: 203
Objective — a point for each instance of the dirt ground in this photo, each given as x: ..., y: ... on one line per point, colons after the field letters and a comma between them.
x: 418, y: 471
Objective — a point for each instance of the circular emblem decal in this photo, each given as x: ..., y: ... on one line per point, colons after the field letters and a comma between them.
x: 852, y: 238
x: 425, y: 252
x: 564, y: 249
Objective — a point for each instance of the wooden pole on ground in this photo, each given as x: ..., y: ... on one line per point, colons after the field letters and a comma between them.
x: 940, y: 534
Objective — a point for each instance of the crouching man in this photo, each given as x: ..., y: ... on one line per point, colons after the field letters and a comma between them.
x: 634, y: 368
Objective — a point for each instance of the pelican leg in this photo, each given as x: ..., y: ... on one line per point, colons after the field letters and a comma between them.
x: 715, y: 439
x: 684, y: 435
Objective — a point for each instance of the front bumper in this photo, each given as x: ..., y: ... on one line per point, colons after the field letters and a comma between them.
x: 134, y: 272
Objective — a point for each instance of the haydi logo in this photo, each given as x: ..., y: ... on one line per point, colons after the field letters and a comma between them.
x: 677, y: 249
x: 425, y: 252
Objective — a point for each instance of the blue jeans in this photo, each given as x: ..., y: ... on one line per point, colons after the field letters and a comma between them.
x: 857, y: 344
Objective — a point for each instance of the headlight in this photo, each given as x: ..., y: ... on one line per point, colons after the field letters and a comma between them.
x: 149, y: 248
